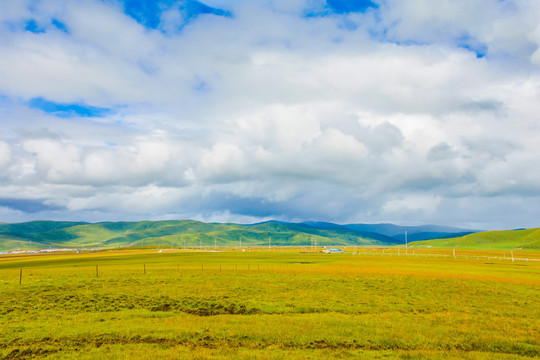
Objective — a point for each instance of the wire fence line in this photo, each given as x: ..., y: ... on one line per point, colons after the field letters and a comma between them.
x: 251, y: 265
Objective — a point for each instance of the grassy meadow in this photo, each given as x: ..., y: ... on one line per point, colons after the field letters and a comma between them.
x: 270, y: 305
x: 506, y: 239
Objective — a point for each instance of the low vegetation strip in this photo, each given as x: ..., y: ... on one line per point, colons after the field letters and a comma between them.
x: 31, y: 303
x: 206, y: 340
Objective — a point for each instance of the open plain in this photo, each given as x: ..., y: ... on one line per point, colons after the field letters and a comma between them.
x: 271, y: 304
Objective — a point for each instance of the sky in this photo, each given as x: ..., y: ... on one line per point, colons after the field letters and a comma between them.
x: 410, y: 112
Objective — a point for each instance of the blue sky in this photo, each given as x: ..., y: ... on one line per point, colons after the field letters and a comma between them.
x: 149, y: 13
x: 346, y: 111
x: 67, y: 110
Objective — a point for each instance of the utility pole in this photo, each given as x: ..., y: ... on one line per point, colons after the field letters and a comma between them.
x: 406, y: 249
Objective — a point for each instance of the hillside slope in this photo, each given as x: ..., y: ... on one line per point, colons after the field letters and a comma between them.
x: 44, y: 234
x: 507, y: 239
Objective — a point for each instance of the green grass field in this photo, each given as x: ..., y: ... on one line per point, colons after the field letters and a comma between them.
x: 507, y: 239
x: 269, y: 305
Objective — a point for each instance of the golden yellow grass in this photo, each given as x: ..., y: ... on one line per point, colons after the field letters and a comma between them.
x: 268, y: 305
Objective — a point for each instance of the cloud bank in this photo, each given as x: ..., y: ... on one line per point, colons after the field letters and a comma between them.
x: 347, y: 111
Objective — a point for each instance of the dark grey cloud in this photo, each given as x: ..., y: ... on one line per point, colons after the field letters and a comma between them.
x: 441, y: 152
x: 28, y: 206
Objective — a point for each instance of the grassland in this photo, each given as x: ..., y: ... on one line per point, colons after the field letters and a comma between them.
x: 268, y: 305
x: 508, y: 239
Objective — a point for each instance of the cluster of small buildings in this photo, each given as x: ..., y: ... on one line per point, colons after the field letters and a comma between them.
x: 42, y: 251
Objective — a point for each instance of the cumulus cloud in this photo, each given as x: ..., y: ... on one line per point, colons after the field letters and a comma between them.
x: 295, y: 110
x: 145, y: 160
x: 412, y: 202
x: 5, y: 154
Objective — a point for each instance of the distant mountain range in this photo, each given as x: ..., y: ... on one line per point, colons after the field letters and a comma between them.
x: 414, y: 233
x: 45, y: 234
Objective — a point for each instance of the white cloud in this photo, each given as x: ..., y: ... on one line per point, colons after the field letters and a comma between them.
x: 224, y: 162
x: 57, y: 161
x: 271, y: 114
x: 281, y: 127
x: 413, y: 202
x: 502, y: 26
x: 5, y: 154
x: 334, y: 144
x: 145, y: 160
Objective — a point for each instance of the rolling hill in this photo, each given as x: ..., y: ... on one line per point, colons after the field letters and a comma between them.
x: 45, y: 234
x: 507, y: 239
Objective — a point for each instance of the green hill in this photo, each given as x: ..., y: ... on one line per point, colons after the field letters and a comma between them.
x: 45, y: 234
x: 507, y: 239
x: 190, y: 233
